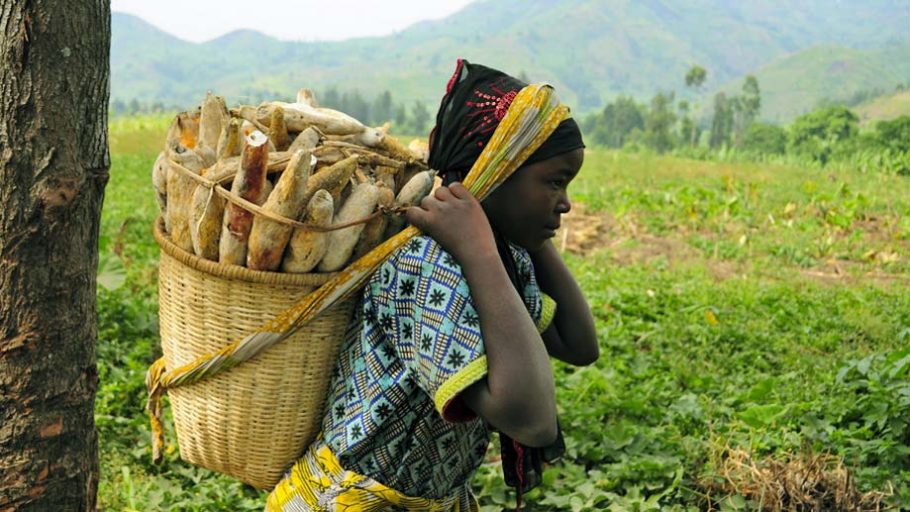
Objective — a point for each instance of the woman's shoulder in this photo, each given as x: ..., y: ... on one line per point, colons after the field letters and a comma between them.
x: 422, y: 255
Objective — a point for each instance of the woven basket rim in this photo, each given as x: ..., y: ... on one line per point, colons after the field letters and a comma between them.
x: 234, y: 272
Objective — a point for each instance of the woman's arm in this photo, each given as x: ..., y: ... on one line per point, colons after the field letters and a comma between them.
x: 518, y: 394
x: 571, y: 337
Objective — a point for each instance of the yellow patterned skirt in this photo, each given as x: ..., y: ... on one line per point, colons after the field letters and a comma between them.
x: 318, y: 483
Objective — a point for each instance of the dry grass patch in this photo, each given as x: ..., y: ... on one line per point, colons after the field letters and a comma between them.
x: 794, y: 482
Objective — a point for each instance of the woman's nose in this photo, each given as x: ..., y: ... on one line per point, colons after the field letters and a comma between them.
x: 563, y: 205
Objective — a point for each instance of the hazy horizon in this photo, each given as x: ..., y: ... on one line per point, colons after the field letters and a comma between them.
x: 203, y: 20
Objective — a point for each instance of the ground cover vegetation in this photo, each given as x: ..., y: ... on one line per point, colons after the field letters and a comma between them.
x: 752, y: 316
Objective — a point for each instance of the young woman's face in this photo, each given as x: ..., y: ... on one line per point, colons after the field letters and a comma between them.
x: 527, y: 207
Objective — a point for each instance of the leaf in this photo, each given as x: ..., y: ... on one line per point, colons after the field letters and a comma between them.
x: 900, y: 363
x: 863, y: 365
x: 111, y: 272
x: 737, y: 502
x: 711, y: 318
x: 687, y: 405
x: 759, y: 416
x: 759, y: 391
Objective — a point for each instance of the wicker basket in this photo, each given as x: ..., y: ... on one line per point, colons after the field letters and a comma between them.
x: 252, y: 421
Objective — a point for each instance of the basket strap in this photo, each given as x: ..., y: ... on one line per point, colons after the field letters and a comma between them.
x: 533, y: 115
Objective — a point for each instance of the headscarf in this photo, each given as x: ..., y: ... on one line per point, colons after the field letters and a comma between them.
x: 476, y: 99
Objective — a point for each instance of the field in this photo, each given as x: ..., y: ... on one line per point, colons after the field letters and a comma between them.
x: 753, y: 323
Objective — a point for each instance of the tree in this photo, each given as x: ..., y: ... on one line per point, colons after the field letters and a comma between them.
x: 383, y: 108
x: 421, y: 118
x: 330, y: 98
x: 659, y: 123
x: 118, y: 107
x: 686, y: 125
x: 747, y: 106
x: 401, y: 119
x: 722, y: 122
x: 134, y: 107
x: 817, y: 133
x: 695, y: 78
x: 894, y: 134
x: 354, y: 105
x: 617, y: 121
x: 53, y: 105
x: 766, y: 139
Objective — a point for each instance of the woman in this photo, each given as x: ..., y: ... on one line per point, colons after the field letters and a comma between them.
x: 452, y: 337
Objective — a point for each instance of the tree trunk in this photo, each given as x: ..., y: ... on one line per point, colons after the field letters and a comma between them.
x: 53, y: 168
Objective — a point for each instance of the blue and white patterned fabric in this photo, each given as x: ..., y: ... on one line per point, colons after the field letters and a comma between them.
x: 414, y: 345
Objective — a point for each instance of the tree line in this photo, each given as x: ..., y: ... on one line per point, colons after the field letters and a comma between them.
x: 412, y: 118
x: 665, y: 123
x: 829, y: 133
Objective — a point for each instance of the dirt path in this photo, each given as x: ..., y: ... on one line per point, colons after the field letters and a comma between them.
x: 585, y: 232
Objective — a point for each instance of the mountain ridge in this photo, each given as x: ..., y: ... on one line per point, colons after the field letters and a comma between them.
x: 591, y: 50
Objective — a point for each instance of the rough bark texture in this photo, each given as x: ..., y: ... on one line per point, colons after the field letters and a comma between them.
x: 54, y: 164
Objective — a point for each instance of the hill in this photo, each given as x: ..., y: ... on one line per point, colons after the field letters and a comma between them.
x: 799, y: 82
x: 590, y: 49
x: 884, y: 107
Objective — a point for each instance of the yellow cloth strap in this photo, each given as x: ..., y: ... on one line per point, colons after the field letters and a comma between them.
x: 547, y: 312
x: 475, y: 370
x: 317, y: 482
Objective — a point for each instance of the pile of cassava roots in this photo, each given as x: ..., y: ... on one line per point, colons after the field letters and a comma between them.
x: 284, y: 187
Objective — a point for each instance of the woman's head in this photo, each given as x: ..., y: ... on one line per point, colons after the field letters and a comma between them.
x: 526, y: 207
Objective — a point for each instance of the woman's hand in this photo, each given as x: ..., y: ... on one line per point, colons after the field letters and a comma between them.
x: 572, y: 336
x: 456, y: 220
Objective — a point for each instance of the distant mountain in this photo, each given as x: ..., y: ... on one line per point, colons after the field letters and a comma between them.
x: 591, y: 50
x: 884, y: 107
x: 798, y: 82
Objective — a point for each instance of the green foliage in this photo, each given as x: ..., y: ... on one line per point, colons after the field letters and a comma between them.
x: 713, y: 326
x: 872, y: 413
x: 721, y: 122
x: 817, y: 133
x: 894, y: 134
x: 765, y: 139
x: 617, y: 121
x: 746, y: 107
x: 659, y: 123
x: 696, y: 76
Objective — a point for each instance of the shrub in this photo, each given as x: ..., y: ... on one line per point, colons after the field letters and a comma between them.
x: 894, y: 134
x: 817, y: 133
x: 765, y: 139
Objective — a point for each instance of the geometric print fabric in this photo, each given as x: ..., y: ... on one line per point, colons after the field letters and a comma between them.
x: 416, y: 329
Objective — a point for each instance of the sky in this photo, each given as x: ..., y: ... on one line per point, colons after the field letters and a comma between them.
x: 301, y: 20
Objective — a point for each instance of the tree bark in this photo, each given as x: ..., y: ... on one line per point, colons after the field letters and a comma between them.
x: 54, y: 88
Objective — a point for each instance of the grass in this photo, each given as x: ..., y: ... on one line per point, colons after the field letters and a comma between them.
x: 741, y: 309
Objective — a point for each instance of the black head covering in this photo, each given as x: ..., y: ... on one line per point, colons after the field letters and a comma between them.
x: 476, y: 100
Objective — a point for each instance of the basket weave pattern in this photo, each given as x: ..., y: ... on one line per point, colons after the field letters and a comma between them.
x: 254, y: 420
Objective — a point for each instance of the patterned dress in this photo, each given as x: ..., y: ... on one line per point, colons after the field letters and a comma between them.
x: 394, y: 421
